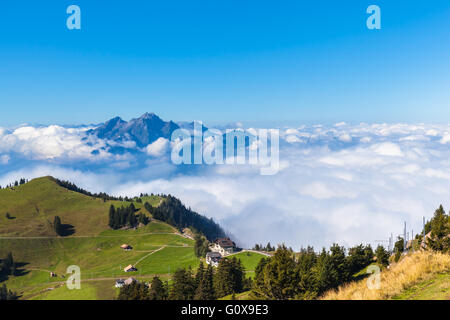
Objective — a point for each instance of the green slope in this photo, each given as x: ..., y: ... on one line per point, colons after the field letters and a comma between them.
x: 249, y: 260
x: 437, y: 288
x: 157, y: 248
x: 34, y: 205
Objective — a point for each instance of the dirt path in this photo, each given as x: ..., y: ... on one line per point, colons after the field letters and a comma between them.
x: 147, y: 255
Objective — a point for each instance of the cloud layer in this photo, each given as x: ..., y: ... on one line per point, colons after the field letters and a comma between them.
x: 342, y: 183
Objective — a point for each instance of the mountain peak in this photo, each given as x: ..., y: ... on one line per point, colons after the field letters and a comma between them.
x: 148, y: 115
x: 143, y: 130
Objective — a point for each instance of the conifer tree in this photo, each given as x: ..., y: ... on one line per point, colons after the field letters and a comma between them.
x: 158, y: 290
x: 58, y: 226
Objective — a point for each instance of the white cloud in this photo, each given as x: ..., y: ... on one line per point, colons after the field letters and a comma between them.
x: 158, y: 148
x: 325, y: 192
x: 51, y: 142
x: 388, y: 149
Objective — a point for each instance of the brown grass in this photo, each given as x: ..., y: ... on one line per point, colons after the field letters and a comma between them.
x: 410, y: 270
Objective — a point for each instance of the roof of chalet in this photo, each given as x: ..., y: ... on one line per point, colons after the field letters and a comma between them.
x: 214, y: 255
x: 225, y: 242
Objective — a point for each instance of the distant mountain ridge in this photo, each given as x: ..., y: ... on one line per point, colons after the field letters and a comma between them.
x: 143, y: 130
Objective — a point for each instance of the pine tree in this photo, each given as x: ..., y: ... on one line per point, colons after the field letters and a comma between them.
x: 158, y: 290
x: 205, y: 287
x: 58, y: 226
x: 183, y: 287
x: 8, y: 266
x: 339, y: 264
x: 112, y: 212
x: 326, y: 275
x: 382, y: 256
x: 307, y: 282
x: 440, y: 231
x: 6, y: 294
x: 276, y: 278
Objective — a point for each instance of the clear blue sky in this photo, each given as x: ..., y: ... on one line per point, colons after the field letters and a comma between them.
x: 227, y: 60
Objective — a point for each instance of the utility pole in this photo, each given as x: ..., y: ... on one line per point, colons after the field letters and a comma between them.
x: 391, y: 243
x: 404, y: 238
x: 423, y: 234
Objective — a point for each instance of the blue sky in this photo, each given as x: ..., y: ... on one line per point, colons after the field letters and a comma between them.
x: 220, y: 61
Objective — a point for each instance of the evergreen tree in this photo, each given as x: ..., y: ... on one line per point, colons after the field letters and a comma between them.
x: 358, y: 258
x: 398, y: 248
x: 8, y: 266
x: 183, y: 287
x: 134, y: 291
x: 229, y: 277
x: 205, y: 288
x: 158, y: 291
x: 440, y: 231
x: 307, y: 282
x: 58, y: 226
x: 339, y: 264
x: 277, y: 277
x: 382, y: 256
x: 6, y: 294
x: 325, y: 272
x: 201, y: 245
x: 112, y: 212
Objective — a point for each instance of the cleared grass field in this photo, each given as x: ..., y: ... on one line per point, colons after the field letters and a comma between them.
x: 248, y: 259
x: 34, y: 205
x: 158, y: 249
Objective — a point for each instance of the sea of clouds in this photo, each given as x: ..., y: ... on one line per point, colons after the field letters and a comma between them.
x: 343, y: 183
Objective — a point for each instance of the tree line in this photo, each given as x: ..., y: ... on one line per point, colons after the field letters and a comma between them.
x: 101, y: 195
x: 206, y: 284
x: 173, y: 212
x: 307, y: 274
x: 126, y: 217
x: 260, y: 247
x: 16, y: 183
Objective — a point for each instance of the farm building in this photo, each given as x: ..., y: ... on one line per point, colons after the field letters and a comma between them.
x: 130, y: 268
x: 224, y: 246
x: 130, y: 281
x: 126, y: 247
x: 213, y: 258
x: 119, y: 283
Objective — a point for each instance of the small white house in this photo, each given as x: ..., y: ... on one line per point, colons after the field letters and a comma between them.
x: 213, y: 258
x: 224, y: 246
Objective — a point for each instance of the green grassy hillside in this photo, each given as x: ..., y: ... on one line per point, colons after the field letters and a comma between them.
x: 158, y: 248
x: 34, y: 205
x: 249, y: 260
